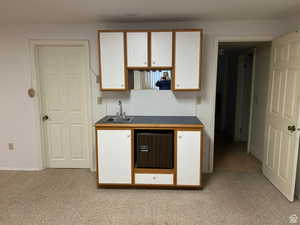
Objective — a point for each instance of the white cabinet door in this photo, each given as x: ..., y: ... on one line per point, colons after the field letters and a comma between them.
x: 137, y: 49
x: 188, y: 157
x: 114, y: 156
x: 112, y: 62
x: 187, y: 60
x: 161, y: 49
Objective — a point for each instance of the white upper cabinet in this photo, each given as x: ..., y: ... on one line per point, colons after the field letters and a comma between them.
x: 161, y: 49
x: 187, y: 60
x: 121, y: 51
x: 112, y: 63
x: 137, y: 49
x: 188, y: 158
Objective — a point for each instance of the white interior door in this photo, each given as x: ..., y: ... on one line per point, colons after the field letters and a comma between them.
x: 281, y: 143
x: 64, y: 100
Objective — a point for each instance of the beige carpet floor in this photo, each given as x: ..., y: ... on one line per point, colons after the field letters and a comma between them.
x: 236, y: 159
x: 70, y: 196
x: 232, y: 156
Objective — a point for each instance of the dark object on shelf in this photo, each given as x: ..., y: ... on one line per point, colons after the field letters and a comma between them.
x: 154, y: 149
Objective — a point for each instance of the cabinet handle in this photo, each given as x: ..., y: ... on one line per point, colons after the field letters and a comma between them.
x: 153, y: 177
x: 153, y: 62
x: 179, y: 137
x: 145, y: 63
x: 122, y: 85
x: 177, y: 85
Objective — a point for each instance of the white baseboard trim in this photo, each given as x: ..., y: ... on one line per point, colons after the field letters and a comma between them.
x: 20, y: 169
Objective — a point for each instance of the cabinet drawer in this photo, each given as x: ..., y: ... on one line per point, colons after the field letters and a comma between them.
x: 148, y: 178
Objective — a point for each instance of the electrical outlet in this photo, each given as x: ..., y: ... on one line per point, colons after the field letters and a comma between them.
x: 11, y: 146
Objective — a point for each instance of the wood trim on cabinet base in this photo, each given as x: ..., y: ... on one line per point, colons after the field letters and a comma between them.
x: 157, y: 171
x: 154, y: 186
x: 132, y: 127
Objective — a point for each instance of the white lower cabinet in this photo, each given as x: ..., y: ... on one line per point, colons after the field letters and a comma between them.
x: 115, y: 160
x: 146, y: 178
x: 114, y: 156
x: 188, y: 158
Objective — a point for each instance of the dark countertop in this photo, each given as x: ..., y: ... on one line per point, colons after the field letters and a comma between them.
x: 151, y: 121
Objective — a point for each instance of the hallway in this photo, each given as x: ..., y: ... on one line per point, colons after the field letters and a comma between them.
x: 233, y: 157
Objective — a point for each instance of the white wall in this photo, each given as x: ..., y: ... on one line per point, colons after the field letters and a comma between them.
x: 293, y: 23
x: 243, y: 97
x: 262, y: 67
x: 17, y: 114
x: 151, y: 102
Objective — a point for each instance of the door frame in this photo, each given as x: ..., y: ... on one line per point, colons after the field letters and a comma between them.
x: 36, y: 85
x: 217, y: 40
x: 251, y: 100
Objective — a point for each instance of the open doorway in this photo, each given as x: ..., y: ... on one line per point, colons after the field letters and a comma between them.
x: 242, y: 81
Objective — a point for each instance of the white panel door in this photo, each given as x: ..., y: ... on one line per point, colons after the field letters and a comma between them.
x: 188, y: 157
x: 137, y: 49
x: 64, y: 99
x: 161, y: 49
x: 187, y: 60
x: 112, y: 61
x: 281, y: 143
x: 114, y: 156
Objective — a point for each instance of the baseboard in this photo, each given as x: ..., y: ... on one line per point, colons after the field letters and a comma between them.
x: 20, y: 169
x: 297, y: 194
x: 254, y: 155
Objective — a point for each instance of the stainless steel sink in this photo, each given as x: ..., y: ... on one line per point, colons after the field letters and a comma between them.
x: 117, y: 119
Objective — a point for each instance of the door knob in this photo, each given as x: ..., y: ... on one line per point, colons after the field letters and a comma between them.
x: 45, y: 118
x: 292, y: 128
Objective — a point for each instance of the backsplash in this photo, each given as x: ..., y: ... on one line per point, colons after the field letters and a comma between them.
x: 151, y: 103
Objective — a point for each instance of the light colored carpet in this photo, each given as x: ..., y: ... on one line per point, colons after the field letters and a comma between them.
x: 70, y: 196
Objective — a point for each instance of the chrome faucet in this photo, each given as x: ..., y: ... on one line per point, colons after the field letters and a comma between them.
x: 121, y: 114
x: 120, y: 108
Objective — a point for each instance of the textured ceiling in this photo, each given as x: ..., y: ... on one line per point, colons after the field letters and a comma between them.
x: 95, y: 11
